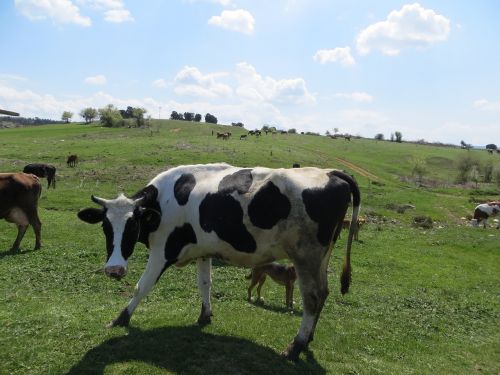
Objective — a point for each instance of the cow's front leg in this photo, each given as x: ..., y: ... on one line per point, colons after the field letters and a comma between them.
x: 153, y: 271
x: 204, y: 283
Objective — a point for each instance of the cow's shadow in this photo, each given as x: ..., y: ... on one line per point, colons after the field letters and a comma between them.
x: 10, y: 252
x: 185, y: 350
x: 282, y: 309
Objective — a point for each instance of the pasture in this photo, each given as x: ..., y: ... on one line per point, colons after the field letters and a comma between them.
x: 422, y: 301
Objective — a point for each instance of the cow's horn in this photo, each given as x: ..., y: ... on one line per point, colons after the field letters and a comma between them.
x: 138, y: 201
x: 99, y: 201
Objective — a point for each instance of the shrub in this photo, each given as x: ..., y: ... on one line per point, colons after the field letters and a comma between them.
x: 110, y: 116
x: 423, y: 222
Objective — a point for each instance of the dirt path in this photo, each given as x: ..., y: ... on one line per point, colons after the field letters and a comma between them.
x: 361, y: 171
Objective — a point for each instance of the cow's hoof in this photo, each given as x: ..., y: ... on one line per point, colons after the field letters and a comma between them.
x: 294, y: 349
x: 204, y: 320
x: 37, y: 247
x: 121, y: 320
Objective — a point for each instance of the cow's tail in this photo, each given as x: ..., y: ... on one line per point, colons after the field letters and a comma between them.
x: 345, y: 278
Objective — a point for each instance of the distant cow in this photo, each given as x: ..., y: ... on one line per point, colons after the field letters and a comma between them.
x: 19, y: 194
x: 243, y: 137
x: 246, y: 216
x: 72, y: 160
x: 43, y: 170
x: 296, y: 165
x: 484, y: 211
x: 346, y: 224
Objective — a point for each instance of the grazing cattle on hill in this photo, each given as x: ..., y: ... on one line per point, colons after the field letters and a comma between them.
x: 43, y: 170
x: 72, y: 160
x: 483, y: 211
x: 19, y: 194
x: 245, y: 216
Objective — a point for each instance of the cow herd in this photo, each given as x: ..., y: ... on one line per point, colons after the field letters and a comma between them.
x: 244, y: 216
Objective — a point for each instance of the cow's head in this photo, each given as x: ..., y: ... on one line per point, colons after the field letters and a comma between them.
x: 122, y: 221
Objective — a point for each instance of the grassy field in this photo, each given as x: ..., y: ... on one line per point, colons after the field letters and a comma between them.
x: 422, y: 301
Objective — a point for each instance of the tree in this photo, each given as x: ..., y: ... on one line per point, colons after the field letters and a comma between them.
x: 239, y: 124
x: 392, y: 137
x: 292, y: 131
x: 210, y: 118
x: 465, y: 168
x: 379, y: 137
x: 175, y: 116
x: 66, y: 116
x: 335, y: 130
x: 419, y: 168
x: 488, y: 171
x: 89, y: 114
x: 138, y: 115
x: 399, y: 136
x: 188, y: 116
x: 491, y: 146
x: 110, y: 116
x: 197, y: 117
x: 465, y: 145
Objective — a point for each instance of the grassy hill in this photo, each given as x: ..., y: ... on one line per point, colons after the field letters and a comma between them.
x: 422, y: 300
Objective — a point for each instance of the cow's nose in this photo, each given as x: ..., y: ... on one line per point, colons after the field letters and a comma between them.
x: 115, y: 272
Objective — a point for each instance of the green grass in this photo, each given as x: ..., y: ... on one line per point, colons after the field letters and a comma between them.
x: 421, y: 301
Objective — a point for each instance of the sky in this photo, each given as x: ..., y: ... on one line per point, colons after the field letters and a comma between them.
x: 430, y: 70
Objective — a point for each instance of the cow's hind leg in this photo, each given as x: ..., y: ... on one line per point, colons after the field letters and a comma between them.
x: 313, y: 285
x: 37, y: 228
x: 21, y: 230
x: 154, y: 269
x: 204, y: 266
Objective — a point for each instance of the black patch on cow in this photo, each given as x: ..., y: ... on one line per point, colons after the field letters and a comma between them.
x: 178, y: 238
x: 238, y: 181
x: 150, y: 200
x: 107, y: 228
x: 268, y: 206
x: 183, y: 187
x: 327, y: 206
x: 223, y: 214
x: 130, y: 235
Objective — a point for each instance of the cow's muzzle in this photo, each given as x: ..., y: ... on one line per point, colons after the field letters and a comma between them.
x: 116, y: 272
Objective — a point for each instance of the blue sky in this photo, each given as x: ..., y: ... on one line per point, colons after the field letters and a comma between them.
x: 429, y: 70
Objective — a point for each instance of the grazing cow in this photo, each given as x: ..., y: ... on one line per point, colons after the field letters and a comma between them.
x: 245, y: 216
x: 72, y: 160
x: 19, y: 194
x: 296, y: 165
x: 484, y: 211
x: 243, y: 137
x: 43, y: 170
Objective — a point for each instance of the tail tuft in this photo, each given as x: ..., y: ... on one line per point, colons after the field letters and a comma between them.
x: 345, y: 279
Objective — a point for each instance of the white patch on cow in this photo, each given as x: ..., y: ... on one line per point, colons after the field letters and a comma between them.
x: 119, y: 210
x: 17, y: 216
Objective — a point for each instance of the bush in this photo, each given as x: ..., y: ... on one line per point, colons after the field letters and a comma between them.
x: 110, y: 116
x: 466, y: 165
x: 423, y: 222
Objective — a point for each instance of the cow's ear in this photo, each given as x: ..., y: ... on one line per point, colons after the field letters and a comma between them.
x: 150, y: 219
x: 91, y: 215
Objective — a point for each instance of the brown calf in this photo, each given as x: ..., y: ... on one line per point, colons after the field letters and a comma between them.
x: 72, y: 160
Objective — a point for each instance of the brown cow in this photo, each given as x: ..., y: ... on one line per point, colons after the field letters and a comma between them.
x: 72, y: 160
x: 19, y: 193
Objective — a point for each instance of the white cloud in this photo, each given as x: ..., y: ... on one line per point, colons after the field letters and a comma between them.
x: 252, y: 86
x: 411, y: 26
x: 118, y: 16
x: 220, y: 2
x: 239, y: 20
x: 96, y: 80
x: 114, y: 10
x: 486, y: 105
x: 59, y: 11
x: 12, y: 77
x: 356, y: 96
x: 191, y: 82
x: 341, y: 55
x: 159, y: 83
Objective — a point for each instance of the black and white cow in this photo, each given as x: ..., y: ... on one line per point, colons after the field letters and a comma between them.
x: 483, y: 211
x: 246, y: 216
